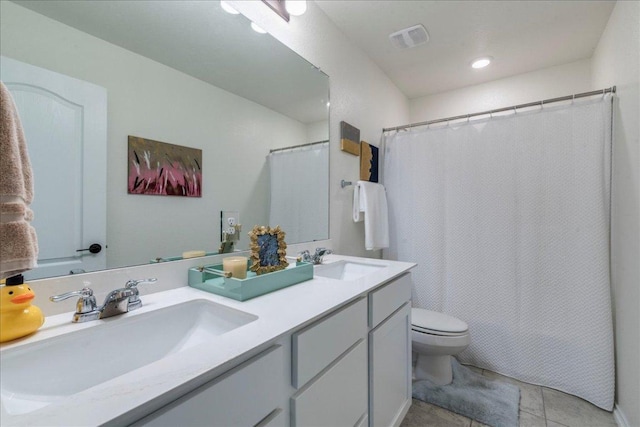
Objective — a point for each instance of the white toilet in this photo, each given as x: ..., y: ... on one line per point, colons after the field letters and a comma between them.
x: 435, y: 338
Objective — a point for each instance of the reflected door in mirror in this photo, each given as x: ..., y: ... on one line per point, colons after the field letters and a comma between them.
x: 64, y: 121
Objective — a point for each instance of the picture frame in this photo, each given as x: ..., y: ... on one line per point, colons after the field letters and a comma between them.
x: 349, y: 139
x: 163, y: 169
x: 369, y: 160
x: 268, y: 249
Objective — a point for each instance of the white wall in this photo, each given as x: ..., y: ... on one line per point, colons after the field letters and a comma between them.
x: 150, y: 100
x: 317, y: 131
x: 361, y: 94
x: 537, y: 85
x: 616, y: 61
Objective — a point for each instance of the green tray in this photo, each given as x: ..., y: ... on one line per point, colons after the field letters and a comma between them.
x: 253, y: 285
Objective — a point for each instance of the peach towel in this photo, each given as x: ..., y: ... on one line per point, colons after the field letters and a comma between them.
x: 18, y: 240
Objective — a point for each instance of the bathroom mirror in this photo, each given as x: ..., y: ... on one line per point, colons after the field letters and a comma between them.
x: 190, y: 74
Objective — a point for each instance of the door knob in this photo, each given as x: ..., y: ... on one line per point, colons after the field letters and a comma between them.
x: 94, y: 248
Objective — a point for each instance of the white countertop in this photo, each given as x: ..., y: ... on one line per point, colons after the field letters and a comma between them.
x: 129, y: 397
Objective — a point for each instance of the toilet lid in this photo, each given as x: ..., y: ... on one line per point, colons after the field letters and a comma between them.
x: 434, y: 321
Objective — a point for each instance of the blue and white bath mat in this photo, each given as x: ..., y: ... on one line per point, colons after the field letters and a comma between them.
x: 491, y: 402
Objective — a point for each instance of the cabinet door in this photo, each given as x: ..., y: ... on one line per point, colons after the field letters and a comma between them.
x: 390, y: 369
x: 244, y: 396
x: 338, y: 397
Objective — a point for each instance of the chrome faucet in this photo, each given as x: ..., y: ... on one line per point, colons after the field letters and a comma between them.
x: 315, y: 258
x: 118, y: 301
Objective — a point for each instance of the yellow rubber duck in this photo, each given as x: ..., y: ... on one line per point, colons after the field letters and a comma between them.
x: 17, y: 316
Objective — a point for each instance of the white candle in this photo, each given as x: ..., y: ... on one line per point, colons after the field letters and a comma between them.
x: 236, y: 265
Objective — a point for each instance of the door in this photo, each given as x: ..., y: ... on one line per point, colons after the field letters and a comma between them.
x: 390, y: 369
x: 65, y: 125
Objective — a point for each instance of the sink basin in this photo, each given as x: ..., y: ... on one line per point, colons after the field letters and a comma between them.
x: 345, y: 270
x: 35, y: 375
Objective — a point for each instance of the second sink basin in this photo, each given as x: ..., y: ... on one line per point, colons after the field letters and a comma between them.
x: 345, y: 270
x: 35, y: 375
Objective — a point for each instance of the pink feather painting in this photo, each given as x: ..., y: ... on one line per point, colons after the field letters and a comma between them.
x: 164, y: 169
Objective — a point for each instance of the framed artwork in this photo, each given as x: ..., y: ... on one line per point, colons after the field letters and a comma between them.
x: 268, y: 249
x: 368, y: 162
x: 349, y: 139
x: 163, y: 169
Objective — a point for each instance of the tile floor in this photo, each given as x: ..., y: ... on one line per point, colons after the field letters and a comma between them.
x: 539, y: 407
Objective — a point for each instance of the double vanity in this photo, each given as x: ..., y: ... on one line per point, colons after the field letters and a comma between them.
x: 334, y: 350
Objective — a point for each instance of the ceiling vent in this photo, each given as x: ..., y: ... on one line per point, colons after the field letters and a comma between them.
x: 409, y: 37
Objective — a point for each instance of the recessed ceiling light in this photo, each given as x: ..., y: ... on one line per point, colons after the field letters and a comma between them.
x: 225, y: 6
x: 257, y: 29
x: 481, y: 62
x: 296, y: 7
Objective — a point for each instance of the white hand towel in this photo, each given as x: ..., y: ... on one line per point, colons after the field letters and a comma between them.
x: 372, y: 200
x: 358, y: 206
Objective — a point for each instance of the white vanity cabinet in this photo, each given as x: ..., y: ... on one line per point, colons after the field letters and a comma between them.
x: 242, y: 396
x: 329, y: 369
x: 343, y: 380
x: 390, y: 353
x: 325, y: 352
x: 352, y: 367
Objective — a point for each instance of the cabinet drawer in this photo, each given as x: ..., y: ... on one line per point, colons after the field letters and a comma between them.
x: 244, y: 396
x: 316, y: 346
x: 338, y: 397
x: 388, y: 299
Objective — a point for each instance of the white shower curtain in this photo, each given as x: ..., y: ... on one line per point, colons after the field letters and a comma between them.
x: 508, y: 220
x: 299, y: 182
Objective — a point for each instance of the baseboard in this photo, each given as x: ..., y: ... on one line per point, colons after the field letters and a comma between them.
x: 402, y: 413
x: 618, y: 415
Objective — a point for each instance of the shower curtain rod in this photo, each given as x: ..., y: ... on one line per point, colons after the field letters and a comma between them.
x: 611, y: 89
x: 297, y: 146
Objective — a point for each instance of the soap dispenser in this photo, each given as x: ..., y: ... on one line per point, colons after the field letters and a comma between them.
x: 18, y: 317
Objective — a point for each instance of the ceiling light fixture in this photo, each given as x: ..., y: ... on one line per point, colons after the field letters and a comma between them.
x: 257, y: 29
x: 225, y: 6
x: 481, y: 62
x: 296, y: 7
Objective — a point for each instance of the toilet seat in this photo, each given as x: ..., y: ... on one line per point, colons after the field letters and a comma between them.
x: 434, y: 323
x: 438, y: 333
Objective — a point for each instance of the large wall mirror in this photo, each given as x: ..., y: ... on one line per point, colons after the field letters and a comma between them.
x: 181, y: 72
